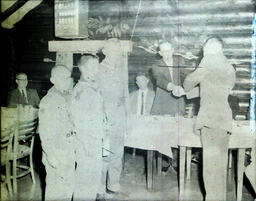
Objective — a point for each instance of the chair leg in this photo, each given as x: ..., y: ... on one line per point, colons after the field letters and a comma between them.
x: 182, y: 172
x: 188, y: 163
x: 32, y: 169
x: 230, y: 159
x: 8, y: 177
x: 133, y: 152
x: 240, y: 173
x: 159, y: 163
x: 14, y: 173
x: 31, y: 161
x: 150, y: 155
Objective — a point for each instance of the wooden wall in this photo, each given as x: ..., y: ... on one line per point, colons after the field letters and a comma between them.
x: 184, y: 23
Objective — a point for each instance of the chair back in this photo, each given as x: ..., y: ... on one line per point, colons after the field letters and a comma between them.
x: 24, y: 133
x: 6, y: 145
x: 7, y: 139
x: 26, y: 129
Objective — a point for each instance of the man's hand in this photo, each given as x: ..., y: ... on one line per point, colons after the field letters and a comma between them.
x: 178, y: 91
x: 170, y: 86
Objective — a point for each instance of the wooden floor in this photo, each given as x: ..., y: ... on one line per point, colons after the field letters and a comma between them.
x: 133, y: 184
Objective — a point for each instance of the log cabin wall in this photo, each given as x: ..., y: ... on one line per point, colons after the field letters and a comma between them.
x: 184, y: 23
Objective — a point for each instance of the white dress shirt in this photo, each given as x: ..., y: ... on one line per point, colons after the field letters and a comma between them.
x: 139, y: 101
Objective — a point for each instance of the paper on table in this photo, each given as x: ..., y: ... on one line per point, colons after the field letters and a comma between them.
x: 194, y: 93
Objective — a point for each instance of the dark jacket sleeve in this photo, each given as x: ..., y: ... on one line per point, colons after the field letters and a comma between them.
x: 12, y: 99
x: 36, y: 99
x: 160, y: 78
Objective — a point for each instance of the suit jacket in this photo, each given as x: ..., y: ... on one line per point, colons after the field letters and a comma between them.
x: 216, y: 78
x: 149, y: 101
x: 165, y: 102
x: 15, y: 98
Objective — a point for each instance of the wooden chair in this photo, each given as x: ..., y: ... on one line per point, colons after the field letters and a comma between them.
x: 239, y: 141
x: 23, y: 148
x: 6, y: 147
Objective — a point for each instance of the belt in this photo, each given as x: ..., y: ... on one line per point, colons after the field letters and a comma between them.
x: 72, y: 133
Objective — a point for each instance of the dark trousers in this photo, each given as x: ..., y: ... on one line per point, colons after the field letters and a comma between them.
x: 215, y: 159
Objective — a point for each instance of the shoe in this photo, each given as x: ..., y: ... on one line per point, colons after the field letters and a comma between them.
x: 165, y: 169
x: 112, y: 192
x: 100, y: 197
x: 195, y: 160
x: 248, y: 160
x: 168, y: 168
x: 175, y: 168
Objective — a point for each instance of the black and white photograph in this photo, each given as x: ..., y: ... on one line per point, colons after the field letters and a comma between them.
x: 128, y: 100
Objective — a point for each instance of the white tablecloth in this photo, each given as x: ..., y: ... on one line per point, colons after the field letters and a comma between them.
x: 160, y: 133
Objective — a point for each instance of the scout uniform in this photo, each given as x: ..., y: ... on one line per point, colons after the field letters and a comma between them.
x: 56, y: 134
x: 87, y: 114
x: 114, y: 95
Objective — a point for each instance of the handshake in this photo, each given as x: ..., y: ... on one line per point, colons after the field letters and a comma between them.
x: 177, y: 91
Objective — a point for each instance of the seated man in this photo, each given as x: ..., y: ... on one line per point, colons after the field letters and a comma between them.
x: 141, y: 100
x: 23, y: 95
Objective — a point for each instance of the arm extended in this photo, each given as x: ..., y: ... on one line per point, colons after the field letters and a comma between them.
x: 194, y: 79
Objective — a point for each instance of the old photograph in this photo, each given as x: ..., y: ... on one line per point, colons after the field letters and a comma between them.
x: 128, y: 100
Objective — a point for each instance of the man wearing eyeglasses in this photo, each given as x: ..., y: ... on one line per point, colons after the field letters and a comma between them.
x: 23, y: 95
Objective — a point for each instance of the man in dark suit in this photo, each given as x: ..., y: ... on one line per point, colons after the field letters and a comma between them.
x: 23, y: 95
x: 168, y: 81
x: 169, y: 99
x: 141, y: 100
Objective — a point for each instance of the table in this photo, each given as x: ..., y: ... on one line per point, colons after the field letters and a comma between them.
x: 241, y: 139
x: 160, y: 133
x: 149, y: 133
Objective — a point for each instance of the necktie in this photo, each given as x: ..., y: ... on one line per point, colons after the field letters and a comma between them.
x: 25, y: 98
x: 142, y: 103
